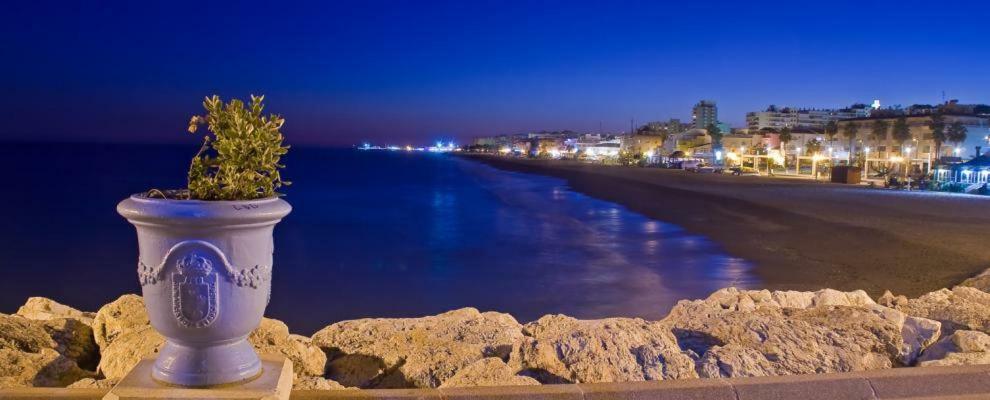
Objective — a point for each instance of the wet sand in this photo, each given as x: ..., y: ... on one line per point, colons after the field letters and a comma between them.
x: 801, y: 234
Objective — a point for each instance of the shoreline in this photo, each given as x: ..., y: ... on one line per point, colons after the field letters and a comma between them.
x: 800, y: 235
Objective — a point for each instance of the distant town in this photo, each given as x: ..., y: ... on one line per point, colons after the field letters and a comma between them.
x: 935, y: 147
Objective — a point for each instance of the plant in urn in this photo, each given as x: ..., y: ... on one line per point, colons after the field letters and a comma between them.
x: 205, y: 252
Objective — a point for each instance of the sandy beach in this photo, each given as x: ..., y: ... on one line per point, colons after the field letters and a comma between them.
x: 801, y: 234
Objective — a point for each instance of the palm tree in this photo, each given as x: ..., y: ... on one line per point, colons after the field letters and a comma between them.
x: 831, y: 129
x: 879, y: 130
x: 939, y: 134
x: 716, y: 133
x: 831, y: 134
x: 957, y: 133
x: 850, y: 130
x: 785, y: 137
x: 901, y: 134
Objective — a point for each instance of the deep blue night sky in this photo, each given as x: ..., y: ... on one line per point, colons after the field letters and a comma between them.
x: 344, y: 72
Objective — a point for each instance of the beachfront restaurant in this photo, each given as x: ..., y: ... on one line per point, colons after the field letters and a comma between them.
x: 974, y: 171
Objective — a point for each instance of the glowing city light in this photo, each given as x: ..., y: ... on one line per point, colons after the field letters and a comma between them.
x: 777, y: 158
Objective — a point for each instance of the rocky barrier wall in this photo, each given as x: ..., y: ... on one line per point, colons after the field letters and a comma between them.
x: 732, y: 333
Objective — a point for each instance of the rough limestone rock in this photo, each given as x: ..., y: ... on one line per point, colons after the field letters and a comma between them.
x: 45, y: 367
x: 491, y: 371
x: 981, y: 281
x: 749, y: 300
x: 315, y: 383
x: 127, y: 349
x: 21, y: 334
x: 414, y: 352
x: 735, y: 361
x: 917, y: 332
x: 126, y: 314
x: 90, y: 383
x: 962, y: 347
x: 757, y: 333
x: 272, y: 337
x: 69, y: 328
x: 960, y: 308
x: 32, y: 353
x: 42, y: 309
x: 73, y: 339
x: 558, y: 349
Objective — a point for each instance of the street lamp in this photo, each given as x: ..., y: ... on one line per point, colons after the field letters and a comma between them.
x: 907, y: 160
x: 866, y: 162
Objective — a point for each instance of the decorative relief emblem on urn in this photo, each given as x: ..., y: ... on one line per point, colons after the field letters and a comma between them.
x: 148, y: 275
x: 253, y: 276
x: 195, y: 301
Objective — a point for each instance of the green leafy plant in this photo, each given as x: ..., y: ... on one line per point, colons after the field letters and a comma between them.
x: 239, y: 159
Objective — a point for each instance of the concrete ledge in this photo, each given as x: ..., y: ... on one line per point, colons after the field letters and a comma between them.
x: 688, y: 389
x: 805, y: 387
x: 369, y: 394
x: 957, y: 383
x: 931, y: 382
x: 52, y: 393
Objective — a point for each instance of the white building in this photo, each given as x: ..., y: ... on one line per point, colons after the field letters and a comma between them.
x: 599, y: 149
x: 778, y: 118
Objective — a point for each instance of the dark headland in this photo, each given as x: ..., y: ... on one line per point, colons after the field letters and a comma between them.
x: 801, y: 234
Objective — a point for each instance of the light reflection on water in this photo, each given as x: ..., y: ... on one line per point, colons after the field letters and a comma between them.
x: 375, y: 234
x: 512, y: 242
x: 608, y: 260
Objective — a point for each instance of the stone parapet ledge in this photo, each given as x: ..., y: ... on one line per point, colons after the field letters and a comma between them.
x: 955, y: 382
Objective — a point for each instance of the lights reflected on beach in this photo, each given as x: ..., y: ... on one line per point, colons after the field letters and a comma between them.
x: 439, y: 147
x: 651, y: 227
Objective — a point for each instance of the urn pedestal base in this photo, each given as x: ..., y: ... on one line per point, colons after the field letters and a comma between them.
x: 274, y: 383
x: 206, y: 366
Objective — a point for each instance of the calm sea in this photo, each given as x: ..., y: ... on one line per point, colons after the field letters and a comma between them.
x: 372, y: 234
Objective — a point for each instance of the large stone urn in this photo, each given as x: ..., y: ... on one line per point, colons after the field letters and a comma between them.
x: 205, y: 269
